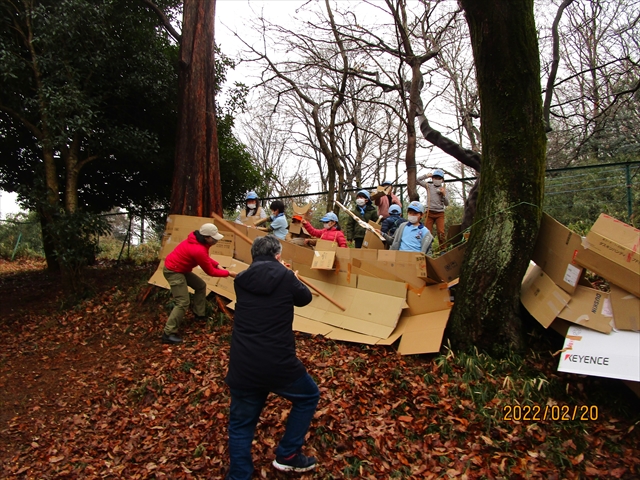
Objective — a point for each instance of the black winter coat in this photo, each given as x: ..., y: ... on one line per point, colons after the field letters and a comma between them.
x: 263, y: 350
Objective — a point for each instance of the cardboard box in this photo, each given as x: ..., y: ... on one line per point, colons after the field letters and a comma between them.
x: 616, y: 241
x: 542, y: 298
x: 587, y: 352
x: 555, y: 250
x: 589, y: 308
x: 323, y: 259
x: 626, y: 309
x: 446, y: 267
x: 611, y: 250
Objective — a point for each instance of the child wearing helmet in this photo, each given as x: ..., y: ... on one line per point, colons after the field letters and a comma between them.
x: 366, y: 211
x: 437, y: 200
x: 252, y: 212
x: 393, y: 221
x: 385, y: 202
x: 331, y: 230
x: 412, y: 236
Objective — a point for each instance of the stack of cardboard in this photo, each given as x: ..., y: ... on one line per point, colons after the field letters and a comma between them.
x: 391, y: 295
x: 387, y: 295
x: 601, y: 329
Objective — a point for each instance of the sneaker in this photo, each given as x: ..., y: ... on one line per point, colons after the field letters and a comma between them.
x: 294, y: 463
x: 171, y: 339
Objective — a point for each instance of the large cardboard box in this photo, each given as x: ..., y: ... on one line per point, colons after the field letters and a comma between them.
x: 587, y: 352
x: 324, y: 255
x: 542, y: 298
x: 555, y: 250
x: 590, y: 308
x: 611, y: 249
x: 446, y: 267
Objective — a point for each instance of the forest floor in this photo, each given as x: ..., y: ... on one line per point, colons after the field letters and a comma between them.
x: 90, y: 392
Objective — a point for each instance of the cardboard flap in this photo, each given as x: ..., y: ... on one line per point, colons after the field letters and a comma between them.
x: 301, y: 209
x: 554, y: 252
x: 423, y: 333
x: 323, y: 259
x: 447, y: 267
x: 542, y: 298
x: 626, y: 309
x: 589, y: 308
x: 372, y: 241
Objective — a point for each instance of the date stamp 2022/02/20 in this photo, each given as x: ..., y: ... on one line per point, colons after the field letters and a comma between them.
x: 556, y: 413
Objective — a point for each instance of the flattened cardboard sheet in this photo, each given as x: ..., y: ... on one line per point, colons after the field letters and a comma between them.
x: 423, y: 333
x: 367, y: 312
x: 555, y: 250
x: 587, y: 352
x: 447, y: 266
x: 626, y: 309
x: 428, y: 299
x: 542, y: 298
x: 589, y: 308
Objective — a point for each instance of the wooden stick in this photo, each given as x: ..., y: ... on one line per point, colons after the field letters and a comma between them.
x: 363, y: 224
x: 249, y: 241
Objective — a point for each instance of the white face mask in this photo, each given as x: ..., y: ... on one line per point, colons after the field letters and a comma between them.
x: 437, y: 183
x: 413, y: 218
x: 251, y: 206
x: 326, y: 226
x: 360, y: 201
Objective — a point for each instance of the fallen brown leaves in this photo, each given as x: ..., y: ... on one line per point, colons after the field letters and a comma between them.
x: 90, y: 392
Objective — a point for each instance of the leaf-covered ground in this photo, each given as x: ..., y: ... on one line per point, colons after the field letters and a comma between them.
x: 90, y: 392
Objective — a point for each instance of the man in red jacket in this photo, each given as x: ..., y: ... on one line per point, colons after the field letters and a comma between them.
x: 178, y: 268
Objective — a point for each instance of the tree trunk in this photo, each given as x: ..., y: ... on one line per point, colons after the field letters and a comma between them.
x: 196, y: 179
x: 505, y: 48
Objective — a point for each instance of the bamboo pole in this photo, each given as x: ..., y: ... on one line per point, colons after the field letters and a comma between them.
x: 249, y: 241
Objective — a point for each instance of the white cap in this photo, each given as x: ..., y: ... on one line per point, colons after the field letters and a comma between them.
x: 210, y: 230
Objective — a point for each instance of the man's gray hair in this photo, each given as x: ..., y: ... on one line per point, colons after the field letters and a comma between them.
x: 267, y: 245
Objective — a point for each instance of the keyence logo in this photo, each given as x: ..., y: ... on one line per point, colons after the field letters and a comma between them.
x: 586, y: 359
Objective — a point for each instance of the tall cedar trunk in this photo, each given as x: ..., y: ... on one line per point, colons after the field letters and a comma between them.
x: 196, y: 179
x: 505, y: 48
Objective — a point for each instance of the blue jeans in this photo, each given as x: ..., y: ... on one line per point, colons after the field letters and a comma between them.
x: 246, y: 406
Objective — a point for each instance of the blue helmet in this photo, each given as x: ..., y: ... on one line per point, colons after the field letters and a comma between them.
x: 395, y: 209
x: 365, y: 193
x: 251, y: 195
x: 416, y: 207
x: 438, y: 173
x: 329, y: 216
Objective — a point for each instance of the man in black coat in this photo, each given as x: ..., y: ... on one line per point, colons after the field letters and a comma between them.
x: 263, y: 359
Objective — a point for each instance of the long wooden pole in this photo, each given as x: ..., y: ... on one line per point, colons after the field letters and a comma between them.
x: 249, y: 241
x: 361, y: 222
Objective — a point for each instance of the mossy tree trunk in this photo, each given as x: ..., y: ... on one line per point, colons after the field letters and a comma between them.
x: 196, y: 186
x: 505, y: 48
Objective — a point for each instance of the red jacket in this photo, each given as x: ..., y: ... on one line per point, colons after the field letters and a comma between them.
x: 190, y: 253
x: 332, y: 235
